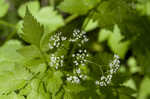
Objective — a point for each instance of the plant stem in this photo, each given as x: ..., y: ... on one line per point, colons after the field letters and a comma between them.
x: 13, y: 26
x: 10, y: 35
x: 7, y: 24
x: 97, y: 65
x: 70, y: 18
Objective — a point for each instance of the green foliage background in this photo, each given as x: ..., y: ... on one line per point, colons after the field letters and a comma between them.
x: 113, y: 26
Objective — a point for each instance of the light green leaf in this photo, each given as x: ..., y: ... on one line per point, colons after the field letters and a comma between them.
x: 6, y: 65
x: 104, y: 35
x: 91, y: 25
x: 133, y: 65
x: 33, y: 6
x: 13, y: 95
x: 32, y: 30
x: 12, y: 73
x: 144, y: 89
x: 35, y: 65
x: 8, y: 51
x: 49, y: 18
x: 37, y: 91
x: 130, y: 83
x: 14, y: 79
x: 77, y: 6
x: 144, y: 7
x: 19, y: 27
x: 54, y: 82
x: 3, y: 7
x: 117, y: 46
x: 30, y: 52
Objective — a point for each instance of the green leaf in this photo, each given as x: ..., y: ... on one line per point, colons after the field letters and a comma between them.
x: 30, y: 52
x: 54, y: 82
x: 14, y: 79
x: 77, y: 6
x: 91, y: 25
x: 111, y: 12
x: 144, y: 89
x: 13, y: 95
x: 13, y: 75
x: 143, y: 7
x: 130, y: 87
x: 35, y: 65
x: 32, y: 30
x: 104, y: 35
x: 50, y: 19
x: 117, y: 46
x: 8, y: 51
x: 3, y: 8
x: 37, y: 90
x: 72, y: 91
x: 132, y: 63
x: 142, y: 60
x: 33, y: 6
x: 19, y: 27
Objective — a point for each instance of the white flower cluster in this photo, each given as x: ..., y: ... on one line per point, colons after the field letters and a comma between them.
x: 80, y: 57
x: 79, y: 35
x: 76, y: 79
x: 56, y: 61
x: 55, y: 40
x: 114, y: 66
x: 73, y: 79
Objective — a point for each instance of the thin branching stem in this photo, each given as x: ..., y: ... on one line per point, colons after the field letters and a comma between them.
x: 100, y: 66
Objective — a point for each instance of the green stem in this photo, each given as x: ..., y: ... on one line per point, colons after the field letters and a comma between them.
x: 117, y: 94
x: 97, y: 65
x: 13, y: 26
x: 70, y: 18
x: 7, y: 24
x: 10, y: 35
x: 44, y: 57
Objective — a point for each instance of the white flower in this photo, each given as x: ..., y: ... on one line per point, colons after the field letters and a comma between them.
x: 116, y: 56
x: 114, y: 66
x: 103, y: 77
x: 97, y: 82
x: 78, y: 71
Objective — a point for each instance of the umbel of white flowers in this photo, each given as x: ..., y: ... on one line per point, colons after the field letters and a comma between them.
x: 113, y: 67
x: 79, y: 58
